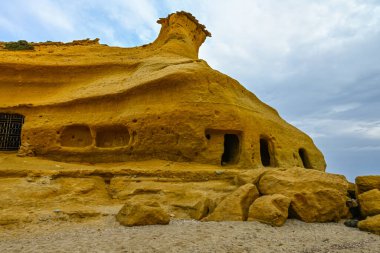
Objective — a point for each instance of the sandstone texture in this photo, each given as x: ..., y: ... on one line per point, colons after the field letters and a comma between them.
x: 315, y: 196
x: 371, y: 224
x: 270, y: 209
x: 236, y: 205
x: 149, y: 133
x: 133, y: 214
x: 157, y: 101
x: 367, y: 183
x: 370, y: 203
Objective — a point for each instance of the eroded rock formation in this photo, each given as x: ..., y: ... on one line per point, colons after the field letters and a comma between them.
x: 151, y: 124
x: 87, y: 102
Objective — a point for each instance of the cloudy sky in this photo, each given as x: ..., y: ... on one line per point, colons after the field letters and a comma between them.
x: 316, y: 61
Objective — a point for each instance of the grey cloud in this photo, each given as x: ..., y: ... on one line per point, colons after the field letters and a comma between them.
x: 316, y: 62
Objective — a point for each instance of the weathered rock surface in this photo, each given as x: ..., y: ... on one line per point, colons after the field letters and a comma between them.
x: 270, y: 209
x: 11, y: 218
x: 111, y: 104
x: 369, y: 202
x: 316, y: 196
x: 141, y: 214
x: 235, y: 206
x: 370, y: 224
x: 249, y: 177
x: 116, y: 106
x: 367, y: 183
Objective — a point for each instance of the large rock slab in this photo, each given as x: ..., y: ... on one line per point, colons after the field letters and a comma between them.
x: 183, y: 200
x: 315, y: 196
x: 369, y: 203
x: 371, y: 224
x: 47, y: 192
x: 140, y: 214
x: 367, y: 183
x: 318, y: 206
x: 235, y: 206
x: 270, y: 209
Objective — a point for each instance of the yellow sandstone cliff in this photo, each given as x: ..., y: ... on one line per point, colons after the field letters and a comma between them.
x: 87, y: 102
x: 155, y: 127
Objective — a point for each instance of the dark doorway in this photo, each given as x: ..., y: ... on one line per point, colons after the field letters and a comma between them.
x: 264, y: 153
x: 231, y: 149
x: 305, y: 158
x: 10, y: 131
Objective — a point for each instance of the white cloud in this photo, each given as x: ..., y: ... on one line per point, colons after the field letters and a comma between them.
x: 331, y: 128
x: 343, y: 108
x: 363, y: 148
x: 316, y: 62
x: 51, y: 15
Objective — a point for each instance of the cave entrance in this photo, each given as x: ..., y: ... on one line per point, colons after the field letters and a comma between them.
x: 305, y: 158
x: 10, y: 131
x: 264, y: 152
x: 231, y: 149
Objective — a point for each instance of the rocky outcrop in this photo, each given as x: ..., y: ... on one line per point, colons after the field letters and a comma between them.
x: 270, y: 209
x: 126, y: 100
x: 369, y: 203
x: 370, y: 224
x: 235, y: 206
x: 141, y: 214
x: 315, y: 196
x: 165, y: 127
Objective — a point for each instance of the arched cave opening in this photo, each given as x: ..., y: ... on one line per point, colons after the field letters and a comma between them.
x: 10, y: 131
x: 231, y: 149
x: 265, y: 153
x: 305, y: 158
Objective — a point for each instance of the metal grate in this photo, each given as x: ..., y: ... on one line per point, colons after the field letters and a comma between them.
x: 10, y: 131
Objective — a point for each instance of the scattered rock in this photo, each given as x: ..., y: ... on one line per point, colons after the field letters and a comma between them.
x: 137, y: 214
x: 371, y: 224
x: 195, y: 208
x: 369, y: 203
x: 367, y: 183
x: 270, y: 209
x: 316, y: 196
x: 351, y: 223
x: 318, y: 206
x: 234, y: 207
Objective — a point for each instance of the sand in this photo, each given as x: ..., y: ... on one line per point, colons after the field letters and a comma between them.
x: 106, y: 235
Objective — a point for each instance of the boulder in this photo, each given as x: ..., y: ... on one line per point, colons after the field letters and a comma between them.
x: 369, y: 203
x: 270, y: 209
x: 316, y: 196
x: 371, y: 224
x: 367, y: 183
x: 138, y: 214
x: 352, y: 223
x: 235, y: 206
x: 249, y: 176
x: 318, y: 206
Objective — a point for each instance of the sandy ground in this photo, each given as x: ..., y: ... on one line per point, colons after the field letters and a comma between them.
x: 105, y: 235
